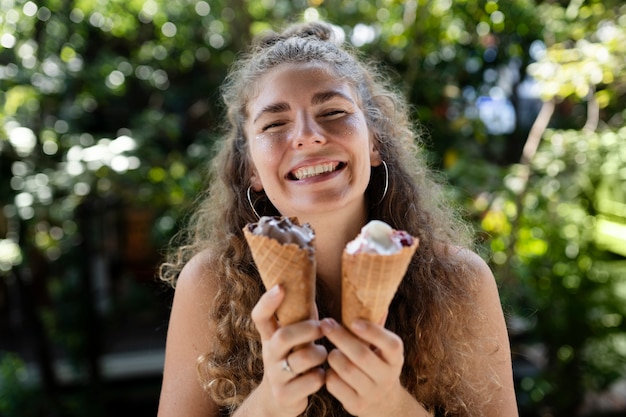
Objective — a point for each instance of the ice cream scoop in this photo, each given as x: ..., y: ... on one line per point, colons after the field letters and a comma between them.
x: 285, y: 230
x: 378, y: 237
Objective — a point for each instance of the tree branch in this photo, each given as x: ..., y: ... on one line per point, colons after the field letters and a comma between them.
x: 593, y: 111
x: 536, y: 132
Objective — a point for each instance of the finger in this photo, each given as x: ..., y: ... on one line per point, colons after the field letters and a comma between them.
x: 303, y: 385
x: 344, y: 340
x: 356, y: 351
x: 292, y: 396
x: 294, y: 337
x: 339, y: 389
x: 359, y: 352
x: 387, y: 344
x: 306, y: 358
x: 349, y: 372
x: 264, y: 311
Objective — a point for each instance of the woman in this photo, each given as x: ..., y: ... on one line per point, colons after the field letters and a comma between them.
x: 316, y: 134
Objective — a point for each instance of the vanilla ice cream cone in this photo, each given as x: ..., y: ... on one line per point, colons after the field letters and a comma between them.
x: 292, y: 267
x: 370, y: 281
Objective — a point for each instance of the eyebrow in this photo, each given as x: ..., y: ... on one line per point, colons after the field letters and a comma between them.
x: 272, y: 108
x: 325, y: 96
x: 318, y: 98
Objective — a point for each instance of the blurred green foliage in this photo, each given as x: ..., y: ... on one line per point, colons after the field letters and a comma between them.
x: 119, y: 100
x: 566, y: 293
x: 16, y: 399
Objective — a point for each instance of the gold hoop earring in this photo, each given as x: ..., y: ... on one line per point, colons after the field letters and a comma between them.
x: 252, y: 205
x: 386, y: 182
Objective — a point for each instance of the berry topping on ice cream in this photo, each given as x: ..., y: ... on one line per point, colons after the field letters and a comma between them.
x: 380, y: 238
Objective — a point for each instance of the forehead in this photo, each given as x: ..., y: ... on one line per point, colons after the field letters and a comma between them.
x: 289, y: 82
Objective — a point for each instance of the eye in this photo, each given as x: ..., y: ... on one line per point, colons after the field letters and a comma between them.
x: 272, y: 125
x: 332, y: 114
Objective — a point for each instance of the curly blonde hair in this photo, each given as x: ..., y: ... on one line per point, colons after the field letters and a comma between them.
x: 434, y: 304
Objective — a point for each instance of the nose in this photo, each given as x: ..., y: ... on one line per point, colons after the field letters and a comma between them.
x: 308, y: 132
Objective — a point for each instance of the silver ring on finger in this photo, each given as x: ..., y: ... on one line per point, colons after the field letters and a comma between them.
x: 286, y: 367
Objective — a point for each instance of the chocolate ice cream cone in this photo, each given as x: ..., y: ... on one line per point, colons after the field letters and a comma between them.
x: 292, y: 267
x: 370, y: 281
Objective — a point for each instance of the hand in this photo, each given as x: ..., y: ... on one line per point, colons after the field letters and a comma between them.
x: 365, y: 368
x: 291, y: 360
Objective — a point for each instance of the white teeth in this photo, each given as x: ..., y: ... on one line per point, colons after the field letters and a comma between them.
x: 312, y: 171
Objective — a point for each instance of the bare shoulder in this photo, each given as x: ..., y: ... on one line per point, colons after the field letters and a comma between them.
x: 193, y: 297
x: 483, y: 284
x: 197, y: 275
x: 188, y: 338
x: 491, y: 329
x: 477, y: 267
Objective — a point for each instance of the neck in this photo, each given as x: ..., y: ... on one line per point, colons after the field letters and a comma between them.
x: 332, y: 233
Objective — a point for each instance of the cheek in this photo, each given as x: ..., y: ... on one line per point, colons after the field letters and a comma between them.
x: 267, y: 149
x: 355, y: 128
x: 265, y: 153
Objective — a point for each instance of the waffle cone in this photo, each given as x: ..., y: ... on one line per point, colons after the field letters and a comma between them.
x: 370, y: 281
x: 290, y: 266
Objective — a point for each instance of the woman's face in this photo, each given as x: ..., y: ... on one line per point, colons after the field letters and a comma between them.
x: 309, y: 143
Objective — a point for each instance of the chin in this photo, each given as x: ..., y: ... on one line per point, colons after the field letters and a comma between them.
x: 328, y: 204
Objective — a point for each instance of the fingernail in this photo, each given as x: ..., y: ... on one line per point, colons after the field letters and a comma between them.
x: 358, y: 325
x: 273, y: 292
x: 329, y: 324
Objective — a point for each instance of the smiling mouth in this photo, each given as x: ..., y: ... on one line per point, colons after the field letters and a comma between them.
x: 315, y: 170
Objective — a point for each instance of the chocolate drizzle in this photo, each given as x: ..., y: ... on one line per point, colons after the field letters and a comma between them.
x: 285, y: 230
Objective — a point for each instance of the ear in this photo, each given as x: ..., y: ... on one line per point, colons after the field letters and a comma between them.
x: 375, y: 159
x: 255, y: 181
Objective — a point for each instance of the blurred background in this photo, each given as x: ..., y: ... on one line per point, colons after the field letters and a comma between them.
x: 109, y: 111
